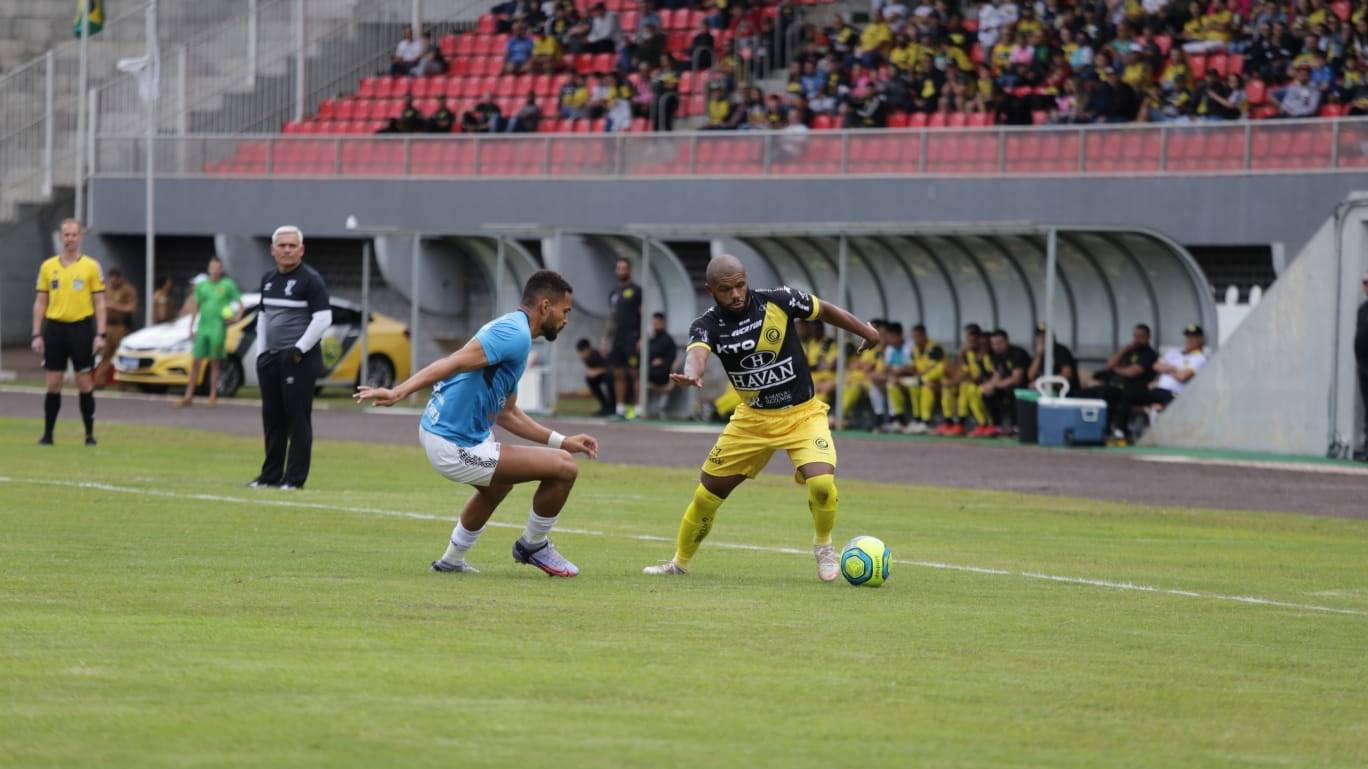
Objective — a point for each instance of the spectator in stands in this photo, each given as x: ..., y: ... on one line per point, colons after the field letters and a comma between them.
x: 718, y: 109
x: 442, y: 120
x: 484, y: 118
x: 1008, y: 365
x: 1175, y: 370
x: 1300, y: 98
x: 1124, y: 104
x: 597, y: 377
x: 650, y: 45
x: 702, y: 48
x: 842, y: 39
x: 647, y: 18
x: 792, y: 144
x: 573, y: 99
x: 605, y: 34
x: 431, y: 62
x: 546, y: 54
x: 517, y: 51
x: 407, y: 54
x: 527, y: 118
x: 662, y: 352
x: 875, y: 41
x: 602, y: 93
x: 410, y: 119
x: 1064, y: 363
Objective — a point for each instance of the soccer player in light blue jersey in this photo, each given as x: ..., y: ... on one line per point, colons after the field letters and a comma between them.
x: 475, y: 388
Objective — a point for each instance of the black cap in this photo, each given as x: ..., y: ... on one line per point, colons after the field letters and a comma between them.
x: 1194, y: 330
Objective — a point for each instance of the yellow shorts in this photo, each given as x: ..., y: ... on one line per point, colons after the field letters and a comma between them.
x: 753, y: 435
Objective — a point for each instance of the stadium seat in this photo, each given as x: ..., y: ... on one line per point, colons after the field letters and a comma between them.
x: 1198, y: 64
x: 345, y: 109
x: 823, y: 122
x: 488, y: 24
x: 369, y: 87
x: 897, y: 120
x: 1256, y: 91
x: 916, y: 120
x: 936, y: 120
x: 1218, y: 62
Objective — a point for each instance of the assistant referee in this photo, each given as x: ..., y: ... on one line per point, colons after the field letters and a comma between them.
x: 294, y: 315
x: 69, y: 325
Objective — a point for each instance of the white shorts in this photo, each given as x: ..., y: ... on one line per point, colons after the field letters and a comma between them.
x: 474, y: 465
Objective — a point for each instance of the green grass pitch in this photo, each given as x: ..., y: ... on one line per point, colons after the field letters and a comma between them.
x: 164, y: 616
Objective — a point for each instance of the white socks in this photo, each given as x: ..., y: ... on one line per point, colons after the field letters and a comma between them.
x: 537, y: 528
x: 462, y: 539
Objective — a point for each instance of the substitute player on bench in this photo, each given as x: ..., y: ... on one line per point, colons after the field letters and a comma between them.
x: 753, y: 334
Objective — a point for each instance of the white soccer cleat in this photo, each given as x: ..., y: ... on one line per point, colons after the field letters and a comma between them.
x: 914, y: 428
x: 446, y: 567
x: 828, y: 567
x: 669, y: 567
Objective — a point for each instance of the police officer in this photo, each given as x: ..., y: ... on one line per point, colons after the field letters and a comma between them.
x: 69, y: 324
x: 294, y: 315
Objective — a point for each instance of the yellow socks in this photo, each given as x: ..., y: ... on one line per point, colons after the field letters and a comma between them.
x: 822, y: 502
x: 696, y: 524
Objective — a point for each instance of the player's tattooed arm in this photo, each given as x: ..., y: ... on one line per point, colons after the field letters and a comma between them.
x: 695, y: 363
x: 842, y: 319
x: 468, y: 358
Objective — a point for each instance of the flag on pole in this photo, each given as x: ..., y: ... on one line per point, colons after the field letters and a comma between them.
x: 97, y: 16
x: 147, y: 69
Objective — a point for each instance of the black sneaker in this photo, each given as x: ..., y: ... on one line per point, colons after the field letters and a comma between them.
x: 46, y: 440
x: 90, y: 440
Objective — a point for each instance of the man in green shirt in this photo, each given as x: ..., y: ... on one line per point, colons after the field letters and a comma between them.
x: 214, y: 305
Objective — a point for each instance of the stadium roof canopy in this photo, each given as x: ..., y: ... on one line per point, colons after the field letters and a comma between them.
x: 947, y: 275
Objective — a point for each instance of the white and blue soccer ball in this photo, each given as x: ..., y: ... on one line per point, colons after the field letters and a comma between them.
x: 865, y: 560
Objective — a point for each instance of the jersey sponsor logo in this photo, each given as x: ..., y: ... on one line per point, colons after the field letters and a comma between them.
x: 289, y: 287
x: 822, y: 444
x: 744, y: 345
x: 759, y: 379
x: 54, y: 284
x: 266, y: 287
x: 748, y: 327
x: 477, y: 461
x: 758, y: 359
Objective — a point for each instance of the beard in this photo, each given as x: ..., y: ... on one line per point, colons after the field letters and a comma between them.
x: 550, y: 333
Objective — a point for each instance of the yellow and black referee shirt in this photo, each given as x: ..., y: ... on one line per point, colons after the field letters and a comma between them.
x: 71, y: 290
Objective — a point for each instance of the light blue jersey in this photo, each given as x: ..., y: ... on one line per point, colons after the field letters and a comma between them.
x: 463, y: 408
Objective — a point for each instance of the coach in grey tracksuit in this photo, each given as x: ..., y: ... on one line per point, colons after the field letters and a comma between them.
x: 294, y: 315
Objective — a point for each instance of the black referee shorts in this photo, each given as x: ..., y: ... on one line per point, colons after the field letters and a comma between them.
x: 69, y: 341
x: 623, y: 353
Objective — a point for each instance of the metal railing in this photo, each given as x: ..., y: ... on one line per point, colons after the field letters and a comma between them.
x: 1207, y: 148
x: 38, y: 124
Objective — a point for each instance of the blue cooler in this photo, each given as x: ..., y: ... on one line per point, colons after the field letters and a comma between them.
x: 1072, y: 421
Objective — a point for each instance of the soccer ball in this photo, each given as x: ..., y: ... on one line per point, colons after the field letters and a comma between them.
x: 864, y: 561
x: 229, y: 312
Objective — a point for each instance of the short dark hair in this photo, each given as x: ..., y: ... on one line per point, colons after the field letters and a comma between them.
x: 1146, y: 327
x: 583, y: 344
x: 919, y: 327
x: 545, y: 283
x: 659, y: 315
x: 974, y: 329
x: 1001, y: 333
x: 895, y: 328
x: 114, y: 271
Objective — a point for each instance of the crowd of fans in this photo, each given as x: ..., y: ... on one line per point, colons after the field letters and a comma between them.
x: 1011, y: 63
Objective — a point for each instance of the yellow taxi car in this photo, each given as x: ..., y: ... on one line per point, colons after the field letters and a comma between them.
x: 158, y: 357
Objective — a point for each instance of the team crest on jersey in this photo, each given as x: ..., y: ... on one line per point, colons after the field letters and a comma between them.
x: 772, y: 335
x: 289, y: 287
x: 628, y: 293
x: 78, y: 284
x: 266, y: 287
x: 822, y: 444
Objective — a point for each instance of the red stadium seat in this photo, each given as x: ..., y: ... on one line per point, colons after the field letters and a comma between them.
x: 1256, y: 91
x: 369, y: 88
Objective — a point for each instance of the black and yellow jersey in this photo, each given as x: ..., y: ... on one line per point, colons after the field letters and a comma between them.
x: 973, y: 364
x: 929, y: 360
x: 820, y: 353
x: 759, y: 346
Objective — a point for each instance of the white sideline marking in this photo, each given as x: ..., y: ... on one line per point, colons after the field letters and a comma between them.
x: 1255, y: 464
x: 1102, y: 583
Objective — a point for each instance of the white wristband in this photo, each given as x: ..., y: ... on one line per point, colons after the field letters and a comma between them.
x: 555, y: 440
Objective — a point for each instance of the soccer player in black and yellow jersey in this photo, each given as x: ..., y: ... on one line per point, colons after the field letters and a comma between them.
x: 753, y: 334
x: 69, y: 324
